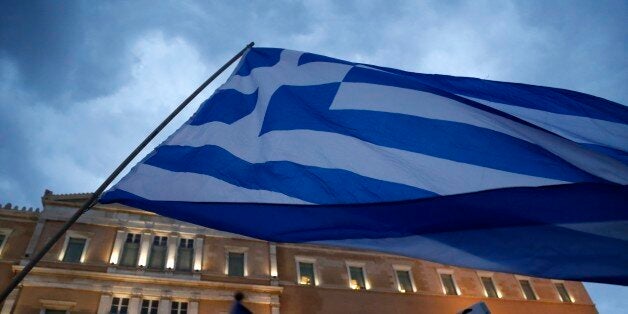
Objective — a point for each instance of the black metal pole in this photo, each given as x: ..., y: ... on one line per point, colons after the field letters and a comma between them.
x: 96, y: 195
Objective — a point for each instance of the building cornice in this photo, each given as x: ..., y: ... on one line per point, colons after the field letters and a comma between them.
x: 151, y: 286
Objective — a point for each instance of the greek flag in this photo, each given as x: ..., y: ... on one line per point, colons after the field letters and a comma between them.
x: 299, y: 147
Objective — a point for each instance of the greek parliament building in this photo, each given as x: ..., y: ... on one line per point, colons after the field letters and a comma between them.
x: 119, y: 259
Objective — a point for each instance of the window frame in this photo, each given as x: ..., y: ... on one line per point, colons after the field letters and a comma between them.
x: 362, y: 265
x: 453, y: 280
x: 77, y: 235
x: 306, y: 260
x: 179, y: 302
x: 150, y: 252
x: 555, y: 283
x: 150, y: 304
x: 529, y: 280
x: 121, y: 298
x: 178, y: 255
x: 239, y: 250
x: 406, y: 268
x: 6, y: 232
x: 55, y: 305
x: 123, y: 251
x: 492, y: 277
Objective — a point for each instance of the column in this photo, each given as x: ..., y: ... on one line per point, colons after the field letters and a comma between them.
x: 105, y: 303
x: 193, y: 307
x: 144, y: 248
x: 32, y: 243
x: 273, y: 260
x: 173, y: 244
x: 164, y: 306
x: 134, y: 305
x: 117, y: 247
x: 198, y: 254
x: 274, y: 304
x: 9, y: 302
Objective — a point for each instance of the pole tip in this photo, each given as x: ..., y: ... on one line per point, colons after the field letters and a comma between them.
x: 251, y: 44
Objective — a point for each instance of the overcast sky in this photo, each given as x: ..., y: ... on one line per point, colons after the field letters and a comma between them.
x: 82, y: 83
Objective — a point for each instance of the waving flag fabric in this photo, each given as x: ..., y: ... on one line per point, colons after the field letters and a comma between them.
x: 298, y: 147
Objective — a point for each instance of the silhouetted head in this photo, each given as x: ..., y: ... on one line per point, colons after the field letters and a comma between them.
x: 239, y: 296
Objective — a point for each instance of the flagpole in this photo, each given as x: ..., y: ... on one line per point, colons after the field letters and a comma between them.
x: 96, y: 195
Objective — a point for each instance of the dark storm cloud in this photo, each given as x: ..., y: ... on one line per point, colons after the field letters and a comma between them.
x: 61, y: 50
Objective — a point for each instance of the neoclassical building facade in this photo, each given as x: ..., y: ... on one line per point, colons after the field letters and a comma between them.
x: 118, y: 259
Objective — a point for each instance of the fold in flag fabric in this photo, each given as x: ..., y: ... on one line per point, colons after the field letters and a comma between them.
x: 298, y: 147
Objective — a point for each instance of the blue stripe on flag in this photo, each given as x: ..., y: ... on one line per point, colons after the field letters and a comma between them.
x: 556, y: 252
x: 530, y: 96
x: 311, y: 184
x: 615, y: 153
x: 534, y: 244
x: 526, y: 206
x: 473, y: 145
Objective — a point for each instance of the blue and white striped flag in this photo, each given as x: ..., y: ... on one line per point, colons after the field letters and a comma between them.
x: 298, y: 147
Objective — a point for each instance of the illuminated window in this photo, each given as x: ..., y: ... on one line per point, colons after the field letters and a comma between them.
x: 179, y: 308
x: 404, y: 280
x: 235, y: 261
x: 185, y: 254
x: 131, y: 249
x: 449, y: 284
x: 356, y: 277
x: 74, y: 247
x: 562, y: 292
x: 149, y: 306
x: 74, y: 250
x: 119, y: 306
x: 306, y: 274
x: 489, y: 286
x: 528, y: 292
x: 158, y: 250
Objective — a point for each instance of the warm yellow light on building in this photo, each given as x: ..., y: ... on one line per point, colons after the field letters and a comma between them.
x: 170, y: 262
x: 273, y: 270
x: 305, y: 280
x: 114, y: 258
x: 354, y: 284
x: 141, y: 262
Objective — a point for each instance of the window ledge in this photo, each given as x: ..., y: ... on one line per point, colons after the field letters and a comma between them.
x: 57, y: 305
x: 154, y: 273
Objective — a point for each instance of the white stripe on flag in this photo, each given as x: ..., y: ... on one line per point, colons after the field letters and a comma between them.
x: 157, y: 184
x: 336, y: 151
x: 580, y: 129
